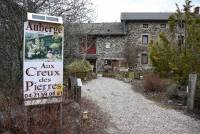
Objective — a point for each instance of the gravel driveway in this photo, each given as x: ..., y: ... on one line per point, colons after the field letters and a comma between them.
x: 131, y: 113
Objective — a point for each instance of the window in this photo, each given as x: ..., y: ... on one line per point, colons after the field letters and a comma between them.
x: 145, y: 25
x: 107, y: 45
x: 107, y: 62
x: 162, y: 25
x: 180, y: 40
x: 144, y: 39
x: 181, y: 25
x: 144, y: 58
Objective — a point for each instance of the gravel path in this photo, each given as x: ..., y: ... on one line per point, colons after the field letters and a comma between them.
x: 131, y: 113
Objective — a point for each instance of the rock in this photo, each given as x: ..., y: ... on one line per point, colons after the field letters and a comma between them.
x: 126, y: 80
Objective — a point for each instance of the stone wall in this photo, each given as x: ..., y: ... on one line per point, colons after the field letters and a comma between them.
x: 135, y: 31
x: 113, y: 46
x: 109, y: 47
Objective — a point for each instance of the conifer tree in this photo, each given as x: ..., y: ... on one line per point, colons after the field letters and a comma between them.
x: 178, y: 53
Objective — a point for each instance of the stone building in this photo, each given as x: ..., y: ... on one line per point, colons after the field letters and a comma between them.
x: 141, y: 28
x: 104, y: 44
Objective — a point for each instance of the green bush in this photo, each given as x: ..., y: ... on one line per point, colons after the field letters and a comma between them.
x: 131, y: 75
x: 79, y: 66
x: 137, y: 75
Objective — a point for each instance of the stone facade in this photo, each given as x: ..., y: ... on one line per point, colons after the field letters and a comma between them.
x: 111, y: 39
x: 135, y: 31
x: 110, y: 47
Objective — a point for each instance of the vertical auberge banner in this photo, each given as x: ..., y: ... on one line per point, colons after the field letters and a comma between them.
x: 43, y: 62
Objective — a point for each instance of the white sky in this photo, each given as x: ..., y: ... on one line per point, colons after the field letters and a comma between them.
x: 109, y: 10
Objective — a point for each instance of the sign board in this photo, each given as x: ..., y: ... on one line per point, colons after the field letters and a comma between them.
x: 79, y: 82
x: 43, y: 60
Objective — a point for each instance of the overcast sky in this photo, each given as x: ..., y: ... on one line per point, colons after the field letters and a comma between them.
x: 109, y: 10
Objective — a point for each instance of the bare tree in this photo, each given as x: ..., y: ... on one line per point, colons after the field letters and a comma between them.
x: 70, y: 10
x: 132, y: 52
x: 12, y: 17
x: 80, y: 38
x: 131, y: 55
x: 88, y: 40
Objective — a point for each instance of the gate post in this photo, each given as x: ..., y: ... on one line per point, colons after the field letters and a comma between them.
x: 191, y: 91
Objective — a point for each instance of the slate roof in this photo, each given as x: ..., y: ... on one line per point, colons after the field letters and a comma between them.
x: 145, y: 16
x: 99, y: 28
x: 117, y: 28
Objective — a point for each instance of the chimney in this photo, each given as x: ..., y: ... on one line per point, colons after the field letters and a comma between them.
x: 196, y: 10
